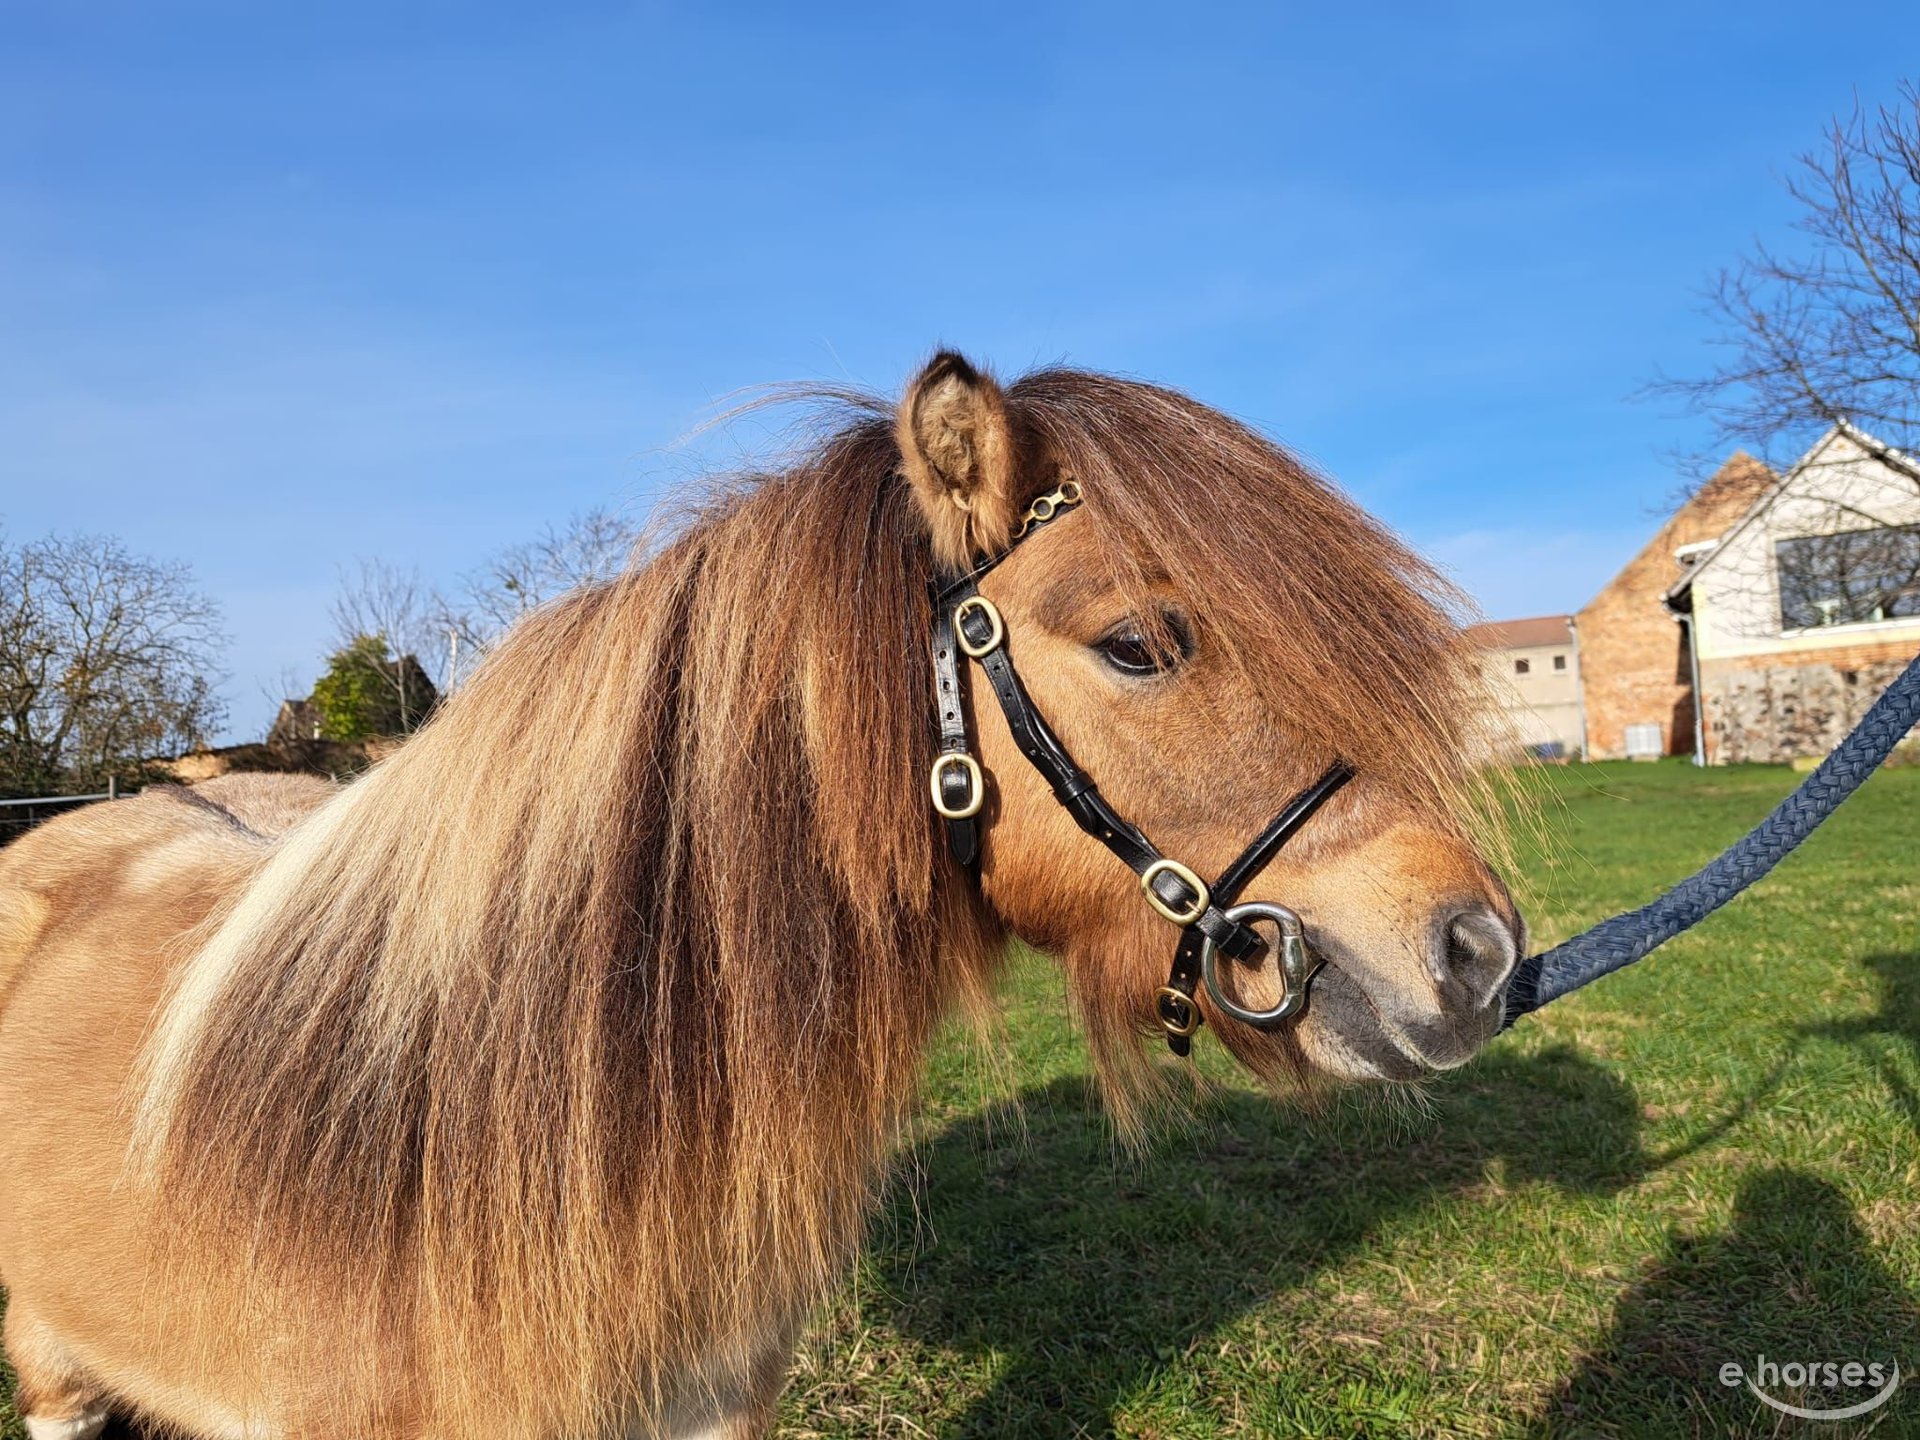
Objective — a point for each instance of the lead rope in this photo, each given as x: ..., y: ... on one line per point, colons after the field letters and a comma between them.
x: 1614, y: 944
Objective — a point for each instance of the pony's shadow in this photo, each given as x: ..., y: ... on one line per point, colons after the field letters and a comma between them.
x: 1896, y: 1026
x: 1792, y: 1279
x: 1084, y: 1275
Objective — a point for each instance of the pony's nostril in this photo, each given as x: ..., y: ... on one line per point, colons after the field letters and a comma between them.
x: 1478, y: 951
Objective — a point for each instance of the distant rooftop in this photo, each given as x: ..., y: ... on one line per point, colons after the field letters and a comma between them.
x: 1516, y: 634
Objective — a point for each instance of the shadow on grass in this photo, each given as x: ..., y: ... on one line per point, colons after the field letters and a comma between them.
x: 1897, y: 1025
x: 1793, y: 1279
x: 1086, y: 1275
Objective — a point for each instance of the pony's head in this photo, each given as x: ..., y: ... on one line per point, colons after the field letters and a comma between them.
x: 1208, y: 631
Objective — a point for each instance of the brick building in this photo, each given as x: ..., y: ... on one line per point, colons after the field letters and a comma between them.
x: 1634, y: 660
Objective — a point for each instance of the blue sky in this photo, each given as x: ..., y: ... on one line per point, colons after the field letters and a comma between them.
x: 285, y: 286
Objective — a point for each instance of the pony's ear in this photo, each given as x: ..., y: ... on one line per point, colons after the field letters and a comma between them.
x: 956, y: 445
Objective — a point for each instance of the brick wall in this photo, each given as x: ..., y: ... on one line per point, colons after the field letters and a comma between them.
x: 1633, y: 656
x: 1775, y: 708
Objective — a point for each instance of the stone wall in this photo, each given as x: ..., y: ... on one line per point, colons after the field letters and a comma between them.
x: 1778, y: 708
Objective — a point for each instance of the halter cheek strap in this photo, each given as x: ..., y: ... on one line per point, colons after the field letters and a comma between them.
x: 967, y: 624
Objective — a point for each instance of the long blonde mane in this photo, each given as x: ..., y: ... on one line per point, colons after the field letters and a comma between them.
x: 585, y: 1023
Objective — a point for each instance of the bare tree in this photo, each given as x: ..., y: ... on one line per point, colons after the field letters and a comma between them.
x: 107, y: 660
x: 383, y: 601
x: 1830, y: 335
x: 591, y: 547
x: 1831, y: 332
x: 450, y: 633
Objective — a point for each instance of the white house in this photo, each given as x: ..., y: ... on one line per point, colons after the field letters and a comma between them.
x: 1800, y: 613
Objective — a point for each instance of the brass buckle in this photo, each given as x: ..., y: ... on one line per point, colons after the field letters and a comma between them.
x: 986, y: 607
x: 1187, y: 1006
x: 977, y: 788
x: 1297, y: 965
x: 1193, y: 882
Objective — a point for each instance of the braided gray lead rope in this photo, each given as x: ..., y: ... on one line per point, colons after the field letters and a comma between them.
x: 1615, y: 943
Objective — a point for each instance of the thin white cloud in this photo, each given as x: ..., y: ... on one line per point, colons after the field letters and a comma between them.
x: 1515, y: 571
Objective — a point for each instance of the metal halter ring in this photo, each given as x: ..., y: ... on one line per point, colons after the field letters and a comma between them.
x: 1297, y: 965
x: 1193, y: 882
x: 997, y: 634
x: 976, y: 787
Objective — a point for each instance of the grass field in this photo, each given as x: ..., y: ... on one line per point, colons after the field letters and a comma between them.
x: 1712, y: 1157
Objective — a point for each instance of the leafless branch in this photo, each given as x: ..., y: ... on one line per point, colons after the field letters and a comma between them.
x: 379, y: 599
x: 591, y: 547
x: 1832, y: 331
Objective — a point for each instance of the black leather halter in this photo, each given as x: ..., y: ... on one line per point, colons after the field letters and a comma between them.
x: 965, y: 623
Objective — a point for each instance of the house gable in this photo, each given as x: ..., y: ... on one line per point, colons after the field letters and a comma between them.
x: 1632, y: 654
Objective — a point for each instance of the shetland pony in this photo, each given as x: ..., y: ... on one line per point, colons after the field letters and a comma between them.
x: 538, y: 1083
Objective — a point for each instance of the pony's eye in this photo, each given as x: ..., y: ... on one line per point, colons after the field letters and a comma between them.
x: 1132, y: 653
x: 1127, y: 651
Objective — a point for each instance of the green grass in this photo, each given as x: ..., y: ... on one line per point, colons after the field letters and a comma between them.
x: 1711, y: 1157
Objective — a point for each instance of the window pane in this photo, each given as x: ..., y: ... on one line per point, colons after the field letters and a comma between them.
x: 1844, y: 579
x: 1521, y: 667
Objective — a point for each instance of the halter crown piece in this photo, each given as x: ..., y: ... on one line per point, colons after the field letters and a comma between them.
x: 966, y: 623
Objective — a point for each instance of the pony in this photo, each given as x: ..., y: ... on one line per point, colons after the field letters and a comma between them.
x: 541, y: 1080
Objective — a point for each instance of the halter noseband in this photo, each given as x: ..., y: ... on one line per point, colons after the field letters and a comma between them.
x: 966, y: 623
